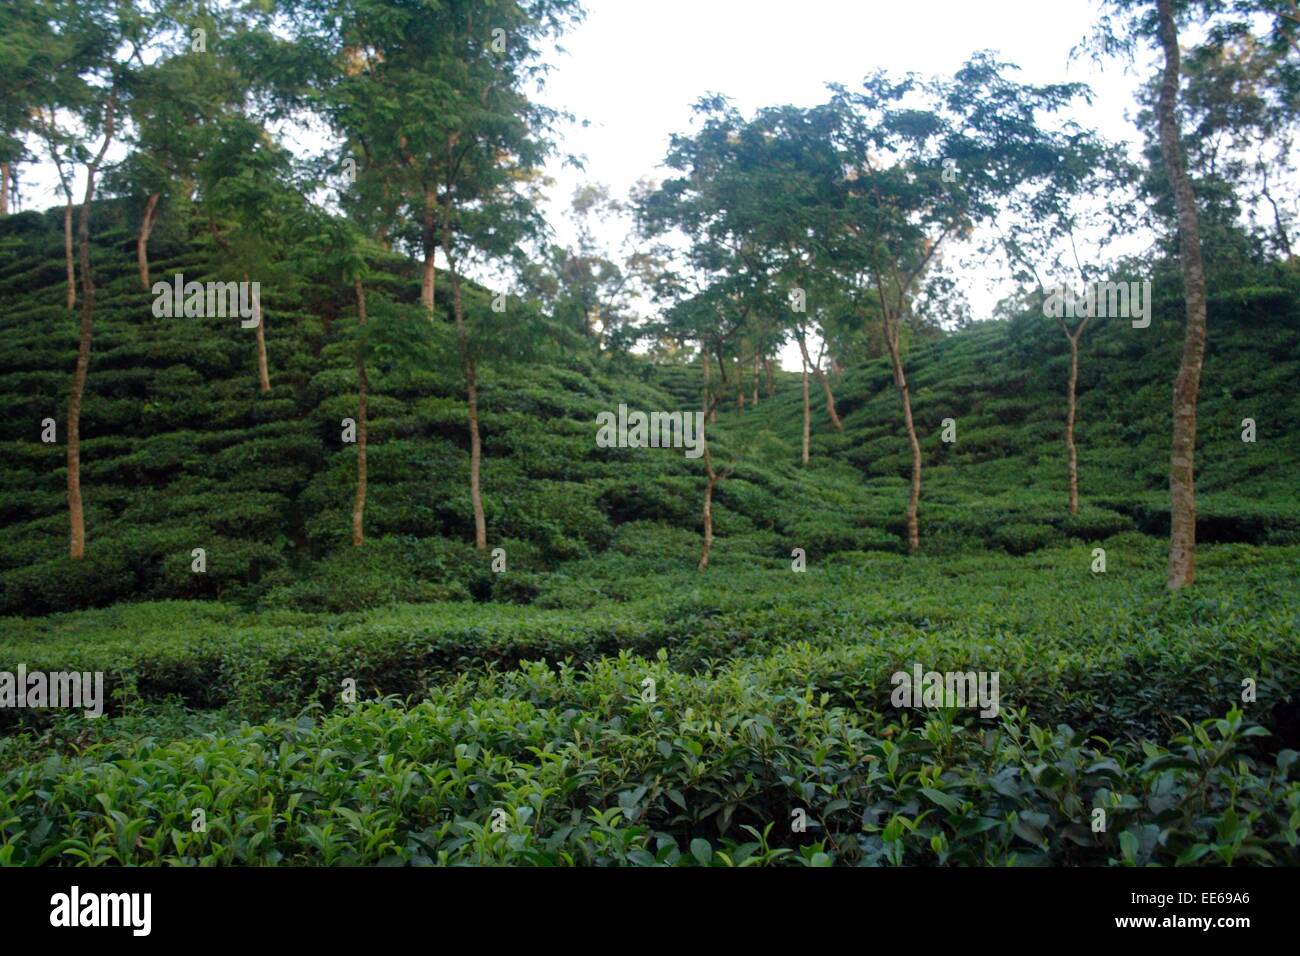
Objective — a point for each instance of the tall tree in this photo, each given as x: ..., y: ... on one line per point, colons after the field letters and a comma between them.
x: 723, y: 274
x: 76, y: 514
x: 108, y: 39
x: 254, y: 208
x: 924, y: 165
x: 492, y: 156
x: 1182, y: 463
x: 177, y: 102
x: 1045, y: 226
x: 437, y: 101
x: 1126, y: 26
x: 335, y: 256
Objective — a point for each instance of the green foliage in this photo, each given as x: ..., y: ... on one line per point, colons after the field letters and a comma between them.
x: 390, y: 570
x: 572, y: 767
x: 1024, y: 537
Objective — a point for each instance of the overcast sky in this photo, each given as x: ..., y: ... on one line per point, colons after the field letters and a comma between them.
x: 633, y: 70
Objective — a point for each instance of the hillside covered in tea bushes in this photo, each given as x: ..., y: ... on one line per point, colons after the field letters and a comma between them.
x: 181, y: 451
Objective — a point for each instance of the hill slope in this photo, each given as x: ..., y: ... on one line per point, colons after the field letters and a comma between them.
x: 180, y: 451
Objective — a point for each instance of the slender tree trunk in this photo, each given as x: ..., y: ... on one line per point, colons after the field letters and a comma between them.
x: 771, y: 377
x: 1279, y: 229
x: 722, y: 387
x: 427, y: 282
x: 1182, y: 463
x: 475, y: 445
x: 1070, y: 412
x: 707, y: 547
x: 4, y: 189
x: 754, y: 401
x: 807, y: 414
x: 142, y: 240
x: 1069, y: 426
x: 708, y: 383
x: 76, y: 514
x: 68, y: 255
x: 471, y: 384
x: 826, y: 385
x: 259, y: 332
x: 359, y: 505
x: 900, y: 381
x: 740, y: 384
x: 830, y: 402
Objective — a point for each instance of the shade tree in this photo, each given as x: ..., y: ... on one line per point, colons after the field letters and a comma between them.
x: 925, y: 163
x: 252, y: 202
x: 1125, y: 27
x: 1054, y: 233
x: 103, y: 41
x: 176, y: 104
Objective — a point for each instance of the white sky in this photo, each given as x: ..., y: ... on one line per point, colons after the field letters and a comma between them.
x: 633, y: 70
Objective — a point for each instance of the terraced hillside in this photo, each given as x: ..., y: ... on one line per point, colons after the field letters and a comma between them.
x: 181, y: 451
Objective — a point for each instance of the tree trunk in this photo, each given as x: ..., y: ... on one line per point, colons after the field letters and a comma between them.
x: 754, y: 401
x: 76, y: 514
x: 830, y: 402
x: 807, y: 414
x: 4, y: 189
x: 1182, y: 463
x: 1279, y: 228
x: 427, y: 282
x: 259, y: 332
x: 359, y: 505
x: 771, y: 377
x: 142, y: 240
x: 722, y: 387
x: 708, y: 384
x: 475, y: 450
x: 1069, y: 425
x: 68, y: 255
x: 900, y: 380
x: 471, y: 384
x: 826, y: 385
x: 707, y: 547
